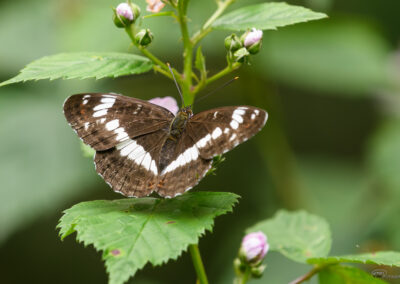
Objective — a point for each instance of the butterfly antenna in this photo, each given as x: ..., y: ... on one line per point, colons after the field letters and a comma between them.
x: 176, y: 83
x: 217, y: 89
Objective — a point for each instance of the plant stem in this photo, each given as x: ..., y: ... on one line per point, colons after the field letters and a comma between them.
x: 188, y: 97
x: 246, y: 276
x: 198, y: 264
x: 228, y: 69
x: 309, y: 274
x: 207, y: 26
x: 223, y: 72
x: 151, y: 56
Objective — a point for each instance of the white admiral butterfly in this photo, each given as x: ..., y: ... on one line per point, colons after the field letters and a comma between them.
x: 143, y: 148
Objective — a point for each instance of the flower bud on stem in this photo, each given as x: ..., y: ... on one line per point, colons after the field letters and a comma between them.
x: 144, y: 37
x: 233, y: 43
x: 125, y: 14
x: 251, y: 254
x: 252, y: 40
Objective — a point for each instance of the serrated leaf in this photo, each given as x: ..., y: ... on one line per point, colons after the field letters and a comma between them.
x: 87, y: 151
x: 82, y: 65
x: 266, y: 16
x: 200, y: 63
x: 133, y: 232
x: 297, y: 235
x: 338, y: 274
x: 390, y: 258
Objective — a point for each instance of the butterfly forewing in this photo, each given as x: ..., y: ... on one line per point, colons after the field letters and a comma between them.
x: 217, y: 131
x: 104, y: 120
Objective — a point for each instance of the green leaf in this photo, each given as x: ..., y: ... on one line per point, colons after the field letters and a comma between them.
x: 200, y: 64
x: 297, y: 235
x: 87, y: 151
x: 390, y: 258
x: 338, y: 274
x: 266, y: 16
x: 133, y: 232
x: 82, y: 65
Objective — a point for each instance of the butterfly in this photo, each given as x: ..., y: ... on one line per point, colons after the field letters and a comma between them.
x: 143, y: 148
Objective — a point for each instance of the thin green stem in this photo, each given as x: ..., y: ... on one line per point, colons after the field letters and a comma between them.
x: 207, y: 26
x: 198, y: 264
x: 228, y: 69
x: 185, y: 80
x: 309, y: 274
x: 223, y: 72
x: 129, y: 30
x: 187, y: 53
x: 162, y: 71
x: 246, y: 276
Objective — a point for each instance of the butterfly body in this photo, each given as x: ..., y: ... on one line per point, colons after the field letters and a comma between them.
x: 142, y: 147
x: 179, y: 122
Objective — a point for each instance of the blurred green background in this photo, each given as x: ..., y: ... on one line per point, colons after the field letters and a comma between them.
x: 331, y: 145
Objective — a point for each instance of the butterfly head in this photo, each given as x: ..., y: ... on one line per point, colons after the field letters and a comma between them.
x: 185, y: 112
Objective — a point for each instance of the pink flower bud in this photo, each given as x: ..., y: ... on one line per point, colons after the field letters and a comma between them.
x: 166, y: 102
x: 123, y: 9
x: 254, y: 246
x: 253, y: 37
x: 154, y: 6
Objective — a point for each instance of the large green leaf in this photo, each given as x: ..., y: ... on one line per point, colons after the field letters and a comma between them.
x: 133, y: 232
x: 391, y: 258
x: 265, y: 16
x: 82, y: 65
x: 297, y: 235
x: 338, y: 274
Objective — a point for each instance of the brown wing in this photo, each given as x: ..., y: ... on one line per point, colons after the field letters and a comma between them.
x: 104, y: 120
x: 184, y: 167
x: 132, y: 167
x: 218, y: 130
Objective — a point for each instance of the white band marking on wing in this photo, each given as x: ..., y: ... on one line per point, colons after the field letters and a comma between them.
x: 138, y: 154
x: 100, y: 113
x: 216, y: 133
x: 234, y: 124
x: 186, y: 157
x: 103, y: 106
x: 113, y: 124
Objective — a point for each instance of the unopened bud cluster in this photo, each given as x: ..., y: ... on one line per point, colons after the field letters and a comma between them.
x: 126, y: 14
x: 252, y: 251
x: 239, y: 49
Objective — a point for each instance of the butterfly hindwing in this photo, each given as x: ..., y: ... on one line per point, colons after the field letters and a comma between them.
x: 104, y: 120
x: 218, y: 130
x: 131, y: 167
x: 185, y: 168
